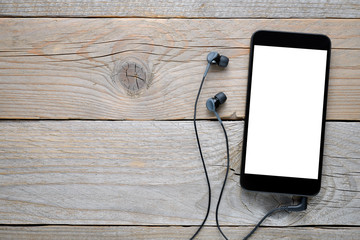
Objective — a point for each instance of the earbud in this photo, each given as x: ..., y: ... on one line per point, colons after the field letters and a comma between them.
x: 213, y: 103
x: 214, y: 57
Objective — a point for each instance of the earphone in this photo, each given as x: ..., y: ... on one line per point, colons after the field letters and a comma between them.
x: 212, y: 104
x: 216, y: 58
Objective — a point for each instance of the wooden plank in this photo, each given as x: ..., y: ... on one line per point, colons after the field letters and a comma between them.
x: 142, y: 233
x: 183, y: 9
x: 149, y: 173
x: 140, y: 69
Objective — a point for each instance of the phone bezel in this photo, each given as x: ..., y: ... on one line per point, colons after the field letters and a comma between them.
x: 276, y: 184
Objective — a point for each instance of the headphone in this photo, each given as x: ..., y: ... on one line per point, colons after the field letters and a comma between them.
x: 221, y: 60
x: 212, y: 104
x: 215, y: 58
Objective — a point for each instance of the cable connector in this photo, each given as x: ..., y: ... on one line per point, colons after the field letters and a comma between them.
x: 300, y: 207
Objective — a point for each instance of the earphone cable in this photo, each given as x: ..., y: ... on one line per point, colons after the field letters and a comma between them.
x: 201, y: 155
x: 266, y: 215
x: 226, y: 175
x: 292, y: 208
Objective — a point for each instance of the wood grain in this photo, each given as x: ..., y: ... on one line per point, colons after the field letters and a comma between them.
x: 142, y: 233
x: 77, y: 68
x: 183, y: 9
x: 149, y: 173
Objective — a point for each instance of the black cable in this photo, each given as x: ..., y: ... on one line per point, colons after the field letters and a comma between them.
x: 204, y: 165
x: 266, y: 215
x: 201, y: 155
x: 297, y: 208
x: 226, y: 175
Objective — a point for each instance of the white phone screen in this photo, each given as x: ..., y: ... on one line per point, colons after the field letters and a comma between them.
x: 286, y: 110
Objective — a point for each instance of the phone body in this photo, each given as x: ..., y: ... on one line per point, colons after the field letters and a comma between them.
x: 285, y: 113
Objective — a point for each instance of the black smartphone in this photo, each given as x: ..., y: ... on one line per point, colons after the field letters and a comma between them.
x: 285, y: 112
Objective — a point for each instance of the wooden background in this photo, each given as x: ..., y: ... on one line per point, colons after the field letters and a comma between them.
x: 96, y: 101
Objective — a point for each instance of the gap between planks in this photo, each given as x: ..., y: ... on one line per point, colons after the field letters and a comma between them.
x: 174, y: 232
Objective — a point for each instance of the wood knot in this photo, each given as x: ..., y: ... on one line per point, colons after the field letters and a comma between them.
x: 133, y: 75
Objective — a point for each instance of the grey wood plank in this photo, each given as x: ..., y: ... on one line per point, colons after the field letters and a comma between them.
x: 183, y: 9
x: 142, y: 69
x: 172, y: 232
x: 149, y: 173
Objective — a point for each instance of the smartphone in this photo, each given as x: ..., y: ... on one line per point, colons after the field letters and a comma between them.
x: 285, y: 113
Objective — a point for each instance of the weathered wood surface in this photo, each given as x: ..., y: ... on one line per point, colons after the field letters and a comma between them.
x: 142, y: 233
x: 149, y: 173
x: 146, y: 69
x: 183, y: 9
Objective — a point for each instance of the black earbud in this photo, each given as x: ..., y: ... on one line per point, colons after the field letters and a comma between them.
x: 213, y: 103
x: 220, y: 98
x: 216, y: 58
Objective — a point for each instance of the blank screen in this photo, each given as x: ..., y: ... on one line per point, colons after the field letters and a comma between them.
x: 285, y: 114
